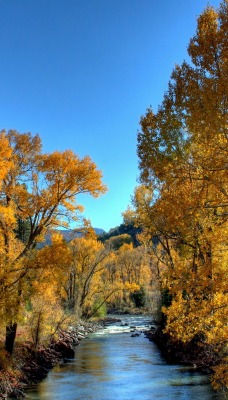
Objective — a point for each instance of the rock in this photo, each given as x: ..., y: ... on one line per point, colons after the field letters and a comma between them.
x: 81, y: 336
x: 81, y: 328
x: 66, y: 349
x: 110, y: 320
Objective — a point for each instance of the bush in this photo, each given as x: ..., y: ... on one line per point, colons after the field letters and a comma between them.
x: 97, y: 310
x: 139, y: 297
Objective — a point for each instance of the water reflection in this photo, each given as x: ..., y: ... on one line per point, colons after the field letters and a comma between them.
x: 95, y: 364
x: 117, y: 366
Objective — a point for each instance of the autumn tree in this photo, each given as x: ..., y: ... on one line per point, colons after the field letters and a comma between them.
x: 42, y: 190
x: 88, y: 256
x: 127, y: 267
x: 182, y: 199
x: 116, y: 242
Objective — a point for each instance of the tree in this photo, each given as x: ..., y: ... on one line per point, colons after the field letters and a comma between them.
x: 75, y: 270
x: 183, y: 198
x: 126, y: 228
x: 116, y: 242
x: 88, y: 262
x: 42, y: 190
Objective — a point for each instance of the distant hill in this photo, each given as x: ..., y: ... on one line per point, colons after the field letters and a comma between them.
x: 129, y: 229
x: 99, y: 231
x: 68, y: 235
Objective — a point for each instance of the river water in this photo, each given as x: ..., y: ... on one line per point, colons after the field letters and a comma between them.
x: 111, y: 364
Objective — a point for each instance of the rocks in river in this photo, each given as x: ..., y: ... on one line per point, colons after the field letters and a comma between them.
x: 109, y: 321
x: 136, y: 334
x: 135, y: 331
x: 133, y: 328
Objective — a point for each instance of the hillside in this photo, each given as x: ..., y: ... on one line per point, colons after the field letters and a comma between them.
x: 129, y: 229
x: 68, y: 235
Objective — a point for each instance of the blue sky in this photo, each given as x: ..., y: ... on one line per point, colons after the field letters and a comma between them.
x: 82, y: 72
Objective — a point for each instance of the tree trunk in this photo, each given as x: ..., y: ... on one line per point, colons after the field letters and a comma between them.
x: 11, y: 327
x: 11, y: 330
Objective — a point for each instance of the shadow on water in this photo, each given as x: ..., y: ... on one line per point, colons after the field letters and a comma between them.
x: 113, y: 365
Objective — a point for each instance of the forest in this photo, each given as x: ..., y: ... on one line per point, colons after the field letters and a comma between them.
x: 168, y: 258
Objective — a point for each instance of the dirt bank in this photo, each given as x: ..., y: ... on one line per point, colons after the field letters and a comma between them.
x: 29, y: 365
x: 195, y: 353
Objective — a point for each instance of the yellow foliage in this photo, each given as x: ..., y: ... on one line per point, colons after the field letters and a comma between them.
x: 220, y: 377
x: 182, y: 199
x: 5, y: 156
x: 131, y: 287
x: 38, y: 192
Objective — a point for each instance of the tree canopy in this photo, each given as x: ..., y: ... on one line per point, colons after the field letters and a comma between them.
x: 183, y: 196
x: 40, y: 191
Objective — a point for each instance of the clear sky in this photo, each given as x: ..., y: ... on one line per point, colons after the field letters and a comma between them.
x: 82, y: 72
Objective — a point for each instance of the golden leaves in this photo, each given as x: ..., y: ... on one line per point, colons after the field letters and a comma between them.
x: 5, y: 154
x: 37, y: 192
x: 67, y: 175
x: 183, y: 200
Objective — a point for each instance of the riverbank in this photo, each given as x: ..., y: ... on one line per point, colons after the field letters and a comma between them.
x: 112, y: 364
x: 29, y: 365
x: 195, y: 353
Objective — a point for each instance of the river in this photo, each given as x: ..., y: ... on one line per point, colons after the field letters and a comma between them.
x: 111, y: 364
